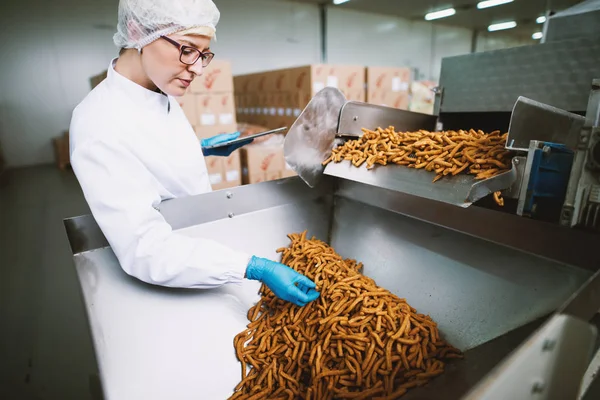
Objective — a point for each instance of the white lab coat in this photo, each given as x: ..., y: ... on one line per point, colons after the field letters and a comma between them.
x: 132, y: 148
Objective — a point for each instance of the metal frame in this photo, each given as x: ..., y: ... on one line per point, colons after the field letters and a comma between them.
x: 582, y: 202
x: 492, y: 81
x: 424, y: 238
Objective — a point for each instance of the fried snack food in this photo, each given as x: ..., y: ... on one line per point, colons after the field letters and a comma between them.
x: 499, y: 199
x: 357, y: 341
x: 447, y: 153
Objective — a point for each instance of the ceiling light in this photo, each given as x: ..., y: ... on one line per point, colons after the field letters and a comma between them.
x: 492, y: 3
x: 537, y: 36
x: 440, y: 14
x: 336, y: 2
x: 540, y: 20
x: 501, y: 26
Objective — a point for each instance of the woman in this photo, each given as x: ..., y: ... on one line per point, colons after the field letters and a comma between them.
x: 132, y: 147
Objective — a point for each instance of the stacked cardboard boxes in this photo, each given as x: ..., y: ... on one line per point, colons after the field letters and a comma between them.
x: 423, y: 97
x: 61, y: 151
x: 210, y: 108
x: 389, y: 86
x: 276, y: 98
x: 95, y: 80
x: 264, y: 162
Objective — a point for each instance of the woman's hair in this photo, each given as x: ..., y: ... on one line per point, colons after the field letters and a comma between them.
x: 122, y: 51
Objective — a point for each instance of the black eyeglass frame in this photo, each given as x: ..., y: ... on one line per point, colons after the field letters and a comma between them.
x: 207, y: 57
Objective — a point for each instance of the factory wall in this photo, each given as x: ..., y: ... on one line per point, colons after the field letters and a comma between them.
x: 496, y: 41
x: 49, y: 55
x: 378, y: 40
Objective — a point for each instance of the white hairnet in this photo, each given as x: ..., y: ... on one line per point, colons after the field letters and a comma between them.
x: 143, y: 21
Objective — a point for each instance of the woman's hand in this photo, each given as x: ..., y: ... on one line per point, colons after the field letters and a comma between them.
x: 225, y: 150
x: 286, y: 283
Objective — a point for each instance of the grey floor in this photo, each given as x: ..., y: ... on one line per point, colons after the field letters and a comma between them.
x: 45, y: 347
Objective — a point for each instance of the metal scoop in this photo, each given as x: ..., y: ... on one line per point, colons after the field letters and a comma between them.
x: 310, y: 140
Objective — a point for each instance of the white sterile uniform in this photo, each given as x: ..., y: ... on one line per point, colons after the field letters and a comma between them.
x: 132, y: 148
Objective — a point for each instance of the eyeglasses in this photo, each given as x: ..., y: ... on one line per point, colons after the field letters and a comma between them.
x: 190, y: 55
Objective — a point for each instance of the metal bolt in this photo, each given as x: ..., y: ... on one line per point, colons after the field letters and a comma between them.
x: 355, y: 119
x: 548, y: 345
x: 229, y: 195
x: 231, y: 215
x: 546, y: 149
x: 538, y: 387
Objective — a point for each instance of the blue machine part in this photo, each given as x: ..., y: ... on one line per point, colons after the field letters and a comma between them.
x: 549, y: 175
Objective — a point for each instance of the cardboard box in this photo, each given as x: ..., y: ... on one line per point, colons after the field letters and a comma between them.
x: 215, y: 109
x: 261, y: 163
x: 217, y: 77
x: 189, y: 107
x: 423, y: 97
x: 398, y: 100
x: 61, y: 151
x: 215, y: 168
x: 224, y: 185
x: 395, y: 100
x: 95, y: 80
x: 389, y: 86
x: 204, y: 132
x: 233, y: 169
x: 271, y: 96
x: 355, y: 94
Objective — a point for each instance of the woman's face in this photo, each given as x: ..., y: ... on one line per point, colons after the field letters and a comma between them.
x: 160, y: 61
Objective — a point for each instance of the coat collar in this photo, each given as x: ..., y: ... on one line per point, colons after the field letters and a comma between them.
x: 146, y: 99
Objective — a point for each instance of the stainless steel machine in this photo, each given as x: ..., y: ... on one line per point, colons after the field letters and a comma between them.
x: 517, y: 292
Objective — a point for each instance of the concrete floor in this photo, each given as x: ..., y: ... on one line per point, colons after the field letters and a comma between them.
x: 45, y: 347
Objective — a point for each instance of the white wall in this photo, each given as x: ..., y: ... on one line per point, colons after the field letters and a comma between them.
x: 49, y: 55
x: 378, y: 40
x: 49, y: 50
x: 261, y: 35
x: 498, y: 40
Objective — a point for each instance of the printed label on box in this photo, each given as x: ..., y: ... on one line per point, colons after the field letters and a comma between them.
x: 215, y: 179
x: 233, y: 176
x: 273, y: 111
x: 281, y: 112
x: 288, y: 112
x: 226, y: 119
x: 396, y: 84
x: 297, y: 112
x: 208, y: 119
x: 332, y: 81
x: 265, y: 111
x: 318, y: 86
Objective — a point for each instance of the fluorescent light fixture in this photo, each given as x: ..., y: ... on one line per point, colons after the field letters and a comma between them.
x: 336, y: 2
x: 540, y: 20
x: 501, y: 26
x: 537, y: 36
x: 440, y: 14
x: 492, y: 3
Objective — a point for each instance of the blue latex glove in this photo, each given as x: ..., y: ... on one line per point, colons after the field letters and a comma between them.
x: 225, y: 150
x: 286, y: 283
